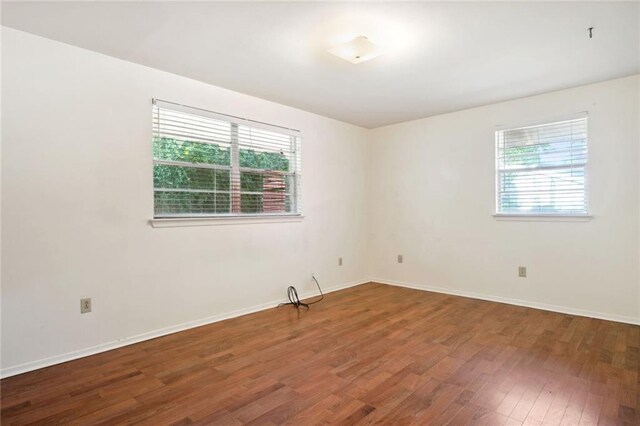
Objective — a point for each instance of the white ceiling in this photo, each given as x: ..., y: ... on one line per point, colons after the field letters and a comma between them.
x: 441, y: 56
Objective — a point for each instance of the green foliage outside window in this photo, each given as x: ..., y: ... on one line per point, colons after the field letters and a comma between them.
x: 214, y: 184
x: 516, y: 156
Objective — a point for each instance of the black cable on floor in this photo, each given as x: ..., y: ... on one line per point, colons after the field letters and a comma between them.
x: 294, y: 299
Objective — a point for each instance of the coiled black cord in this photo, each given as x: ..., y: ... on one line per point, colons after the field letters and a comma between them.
x: 294, y: 299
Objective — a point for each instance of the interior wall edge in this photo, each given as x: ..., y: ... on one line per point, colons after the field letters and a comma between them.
x: 516, y: 302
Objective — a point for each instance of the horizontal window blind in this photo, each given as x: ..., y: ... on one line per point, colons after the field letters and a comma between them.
x: 542, y: 169
x: 210, y: 164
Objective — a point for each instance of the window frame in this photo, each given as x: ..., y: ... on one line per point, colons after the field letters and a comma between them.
x: 235, y: 190
x: 542, y: 216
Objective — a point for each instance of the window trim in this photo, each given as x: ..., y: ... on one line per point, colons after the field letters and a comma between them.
x: 196, y: 219
x: 177, y: 222
x: 542, y: 217
x: 542, y: 121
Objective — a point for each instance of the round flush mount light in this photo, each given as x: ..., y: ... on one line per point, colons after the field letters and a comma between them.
x: 358, y: 50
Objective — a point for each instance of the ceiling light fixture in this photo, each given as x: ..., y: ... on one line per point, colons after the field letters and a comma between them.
x: 358, y: 50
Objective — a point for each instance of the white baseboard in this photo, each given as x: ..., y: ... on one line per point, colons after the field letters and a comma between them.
x: 46, y: 362
x: 69, y: 356
x: 517, y: 302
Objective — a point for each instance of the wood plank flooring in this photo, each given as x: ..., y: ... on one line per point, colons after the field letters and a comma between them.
x: 368, y: 354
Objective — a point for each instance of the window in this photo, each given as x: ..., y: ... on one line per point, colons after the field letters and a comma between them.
x: 212, y: 165
x: 541, y: 170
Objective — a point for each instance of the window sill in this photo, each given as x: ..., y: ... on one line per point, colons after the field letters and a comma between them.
x: 173, y: 222
x: 543, y: 217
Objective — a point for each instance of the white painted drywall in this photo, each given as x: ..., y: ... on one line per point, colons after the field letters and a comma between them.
x: 432, y: 199
x: 77, y: 196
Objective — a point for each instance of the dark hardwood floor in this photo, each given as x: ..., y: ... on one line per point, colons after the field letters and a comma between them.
x: 368, y: 354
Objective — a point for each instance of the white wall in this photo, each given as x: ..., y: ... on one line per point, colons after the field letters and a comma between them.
x: 432, y: 200
x: 77, y: 196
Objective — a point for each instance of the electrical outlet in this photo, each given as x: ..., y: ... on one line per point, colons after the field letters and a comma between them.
x: 400, y: 258
x: 522, y: 271
x: 339, y: 261
x: 85, y: 305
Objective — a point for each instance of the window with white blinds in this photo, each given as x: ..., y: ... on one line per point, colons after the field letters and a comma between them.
x: 207, y: 164
x: 541, y: 170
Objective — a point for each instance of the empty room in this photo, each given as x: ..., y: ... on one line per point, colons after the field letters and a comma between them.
x: 230, y: 213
